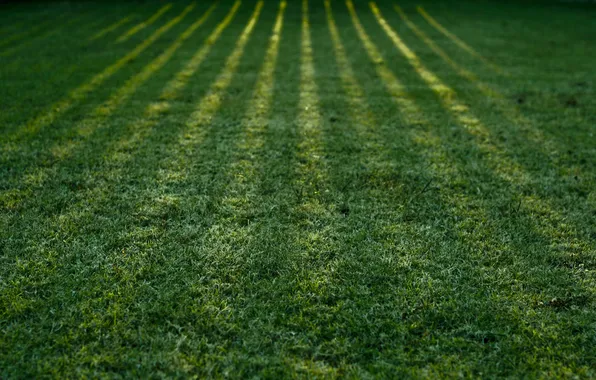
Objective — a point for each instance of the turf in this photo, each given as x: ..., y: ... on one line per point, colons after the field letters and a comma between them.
x: 298, y: 190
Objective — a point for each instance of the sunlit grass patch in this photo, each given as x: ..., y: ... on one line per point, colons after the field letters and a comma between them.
x: 111, y: 27
x: 456, y: 40
x: 496, y: 155
x: 142, y: 25
x: 317, y: 189
x: 87, y: 127
x: 79, y: 93
x: 192, y: 135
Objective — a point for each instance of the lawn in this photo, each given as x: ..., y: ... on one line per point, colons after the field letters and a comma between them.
x: 298, y: 190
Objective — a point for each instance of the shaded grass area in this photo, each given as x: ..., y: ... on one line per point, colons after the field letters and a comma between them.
x: 312, y: 190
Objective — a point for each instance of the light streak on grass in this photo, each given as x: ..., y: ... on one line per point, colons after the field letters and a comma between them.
x: 212, y: 101
x: 119, y: 153
x: 171, y: 91
x: 191, y: 67
x: 411, y: 112
x: 511, y: 114
x: 465, y: 207
x: 78, y: 94
x: 503, y: 166
x: 375, y: 151
x: 260, y: 104
x: 312, y: 174
x: 456, y: 40
x: 111, y: 28
x: 358, y: 107
x: 137, y: 28
x: 107, y: 267
x: 430, y: 144
x: 194, y: 131
x: 90, y: 124
x: 258, y: 113
x: 242, y: 174
x: 486, y: 90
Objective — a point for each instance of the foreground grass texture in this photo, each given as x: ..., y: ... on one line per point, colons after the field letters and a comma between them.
x: 324, y: 189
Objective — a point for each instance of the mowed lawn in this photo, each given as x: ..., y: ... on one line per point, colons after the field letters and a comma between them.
x: 298, y: 190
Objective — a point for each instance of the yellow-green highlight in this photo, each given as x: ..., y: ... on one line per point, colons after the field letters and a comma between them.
x: 456, y: 40
x: 312, y: 178
x: 261, y: 100
x: 312, y: 174
x: 410, y: 112
x: 358, y: 107
x: 503, y: 166
x: 137, y: 28
x: 243, y: 170
x: 86, y: 127
x: 194, y: 132
x: 429, y: 145
x: 111, y: 28
x: 511, y: 114
x: 486, y: 90
x: 212, y: 101
x: 170, y: 91
x: 191, y: 67
x: 119, y: 152
x: 259, y: 108
x: 79, y: 93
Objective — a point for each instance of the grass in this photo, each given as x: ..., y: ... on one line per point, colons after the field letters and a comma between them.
x: 333, y: 189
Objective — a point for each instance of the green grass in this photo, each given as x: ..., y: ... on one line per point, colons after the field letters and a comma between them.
x: 347, y: 192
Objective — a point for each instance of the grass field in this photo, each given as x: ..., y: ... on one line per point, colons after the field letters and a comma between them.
x: 324, y: 189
